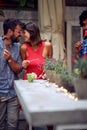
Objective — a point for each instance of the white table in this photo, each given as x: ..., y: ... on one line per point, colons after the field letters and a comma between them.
x: 44, y: 105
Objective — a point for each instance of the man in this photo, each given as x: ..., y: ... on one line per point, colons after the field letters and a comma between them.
x: 10, y: 67
x: 83, y: 24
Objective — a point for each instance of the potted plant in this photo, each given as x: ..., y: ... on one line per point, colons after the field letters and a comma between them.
x: 63, y: 76
x: 66, y: 80
x: 50, y: 69
x: 57, y: 72
x: 59, y: 68
x: 53, y: 69
x: 80, y: 78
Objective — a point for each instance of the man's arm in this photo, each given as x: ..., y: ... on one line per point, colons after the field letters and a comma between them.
x: 13, y: 64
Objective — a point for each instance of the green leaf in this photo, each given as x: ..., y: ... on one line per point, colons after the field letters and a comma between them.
x: 2, y: 13
x: 22, y: 3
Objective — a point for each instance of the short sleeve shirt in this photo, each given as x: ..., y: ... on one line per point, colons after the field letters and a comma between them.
x: 84, y: 48
x: 7, y: 76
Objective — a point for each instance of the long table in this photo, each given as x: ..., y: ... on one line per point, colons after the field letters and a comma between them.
x: 43, y: 104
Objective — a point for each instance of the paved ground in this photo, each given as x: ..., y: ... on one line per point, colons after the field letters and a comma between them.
x: 22, y: 122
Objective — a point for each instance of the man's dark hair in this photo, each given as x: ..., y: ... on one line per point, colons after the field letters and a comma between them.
x: 82, y: 17
x: 11, y: 24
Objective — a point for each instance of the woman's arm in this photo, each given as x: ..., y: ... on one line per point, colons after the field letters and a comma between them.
x: 25, y: 62
x: 23, y: 51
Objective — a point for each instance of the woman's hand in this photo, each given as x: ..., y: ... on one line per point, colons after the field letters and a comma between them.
x: 42, y: 75
x: 25, y: 64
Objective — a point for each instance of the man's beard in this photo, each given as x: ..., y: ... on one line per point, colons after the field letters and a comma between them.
x: 15, y: 39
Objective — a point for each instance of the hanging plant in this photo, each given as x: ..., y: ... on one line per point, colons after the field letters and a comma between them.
x: 28, y: 3
x: 22, y: 3
x: 2, y: 13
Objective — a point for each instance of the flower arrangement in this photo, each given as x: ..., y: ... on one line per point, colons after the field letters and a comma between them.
x: 50, y: 64
x: 50, y: 69
x: 57, y: 72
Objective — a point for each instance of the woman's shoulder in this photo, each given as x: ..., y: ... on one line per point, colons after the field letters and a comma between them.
x: 47, y: 43
x: 23, y: 46
x: 49, y: 48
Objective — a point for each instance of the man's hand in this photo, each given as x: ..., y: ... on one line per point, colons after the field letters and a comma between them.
x: 7, y: 55
x: 77, y: 48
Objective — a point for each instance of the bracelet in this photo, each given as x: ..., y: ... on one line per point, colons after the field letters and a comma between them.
x: 9, y: 60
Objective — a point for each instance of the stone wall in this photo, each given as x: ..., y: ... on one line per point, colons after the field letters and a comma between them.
x: 24, y: 16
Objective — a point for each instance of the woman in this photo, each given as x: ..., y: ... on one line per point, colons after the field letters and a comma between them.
x: 34, y: 51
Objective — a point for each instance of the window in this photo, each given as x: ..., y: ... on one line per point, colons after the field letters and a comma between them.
x: 74, y: 34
